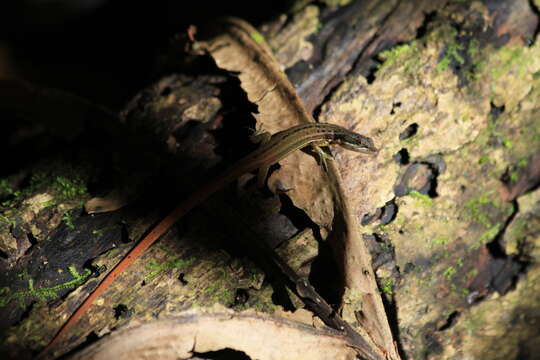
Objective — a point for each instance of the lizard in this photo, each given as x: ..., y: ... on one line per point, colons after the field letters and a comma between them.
x: 272, y: 149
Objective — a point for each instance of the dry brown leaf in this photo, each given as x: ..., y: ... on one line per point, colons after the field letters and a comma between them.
x: 239, y: 48
x: 115, y: 200
x: 198, y: 331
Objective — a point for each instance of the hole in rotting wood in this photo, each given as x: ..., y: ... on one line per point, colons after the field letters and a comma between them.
x: 121, y: 311
x: 124, y: 234
x: 409, y: 132
x: 225, y: 354
x: 32, y: 239
x: 530, y: 40
x: 451, y: 320
x: 369, y: 218
x: 389, y: 212
x: 91, y: 338
x: 384, y: 214
x: 408, y: 268
x: 372, y: 68
x: 241, y: 297
x: 496, y: 270
x: 166, y: 91
x: 402, y: 157
x: 182, y: 279
x: 422, y: 29
x: 96, y: 270
x: 26, y: 313
x: 380, y: 248
x: 421, y: 177
x: 395, y: 106
x: 495, y: 111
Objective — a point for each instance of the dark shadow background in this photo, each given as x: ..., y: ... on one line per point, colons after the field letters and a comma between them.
x: 103, y: 50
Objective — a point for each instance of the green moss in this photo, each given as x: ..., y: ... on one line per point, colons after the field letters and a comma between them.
x: 449, y: 272
x: 478, y: 209
x: 473, y: 48
x: 492, y: 132
x: 68, y: 220
x: 461, y: 52
x: 472, y: 325
x: 471, y: 274
x: 170, y: 264
x: 7, y: 221
x: 220, y: 293
x: 387, y: 286
x: 255, y: 275
x: 261, y: 305
x: 489, y: 234
x: 69, y: 188
x: 259, y: 39
x: 514, y: 176
x: 522, y: 163
x: 425, y: 200
x: 518, y: 231
x: 413, y: 141
x: 452, y: 54
x: 507, y: 143
x: 48, y: 203
x: 5, y: 188
x: 511, y: 57
x: 483, y: 160
x: 438, y: 241
x: 407, y: 57
x: 64, y: 181
x: 393, y: 54
x: 112, y: 252
x: 44, y: 293
x: 427, y: 280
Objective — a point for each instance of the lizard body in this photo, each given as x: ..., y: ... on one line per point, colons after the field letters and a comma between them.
x: 277, y: 147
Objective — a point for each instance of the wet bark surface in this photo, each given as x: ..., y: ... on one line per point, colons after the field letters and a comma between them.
x: 448, y: 208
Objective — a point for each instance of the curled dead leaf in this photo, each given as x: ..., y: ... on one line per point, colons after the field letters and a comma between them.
x: 198, y: 331
x: 114, y: 200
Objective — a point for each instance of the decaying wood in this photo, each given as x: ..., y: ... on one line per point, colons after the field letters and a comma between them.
x: 448, y: 208
x: 180, y: 338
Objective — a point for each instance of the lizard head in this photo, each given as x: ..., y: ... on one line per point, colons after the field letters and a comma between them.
x: 356, y: 142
